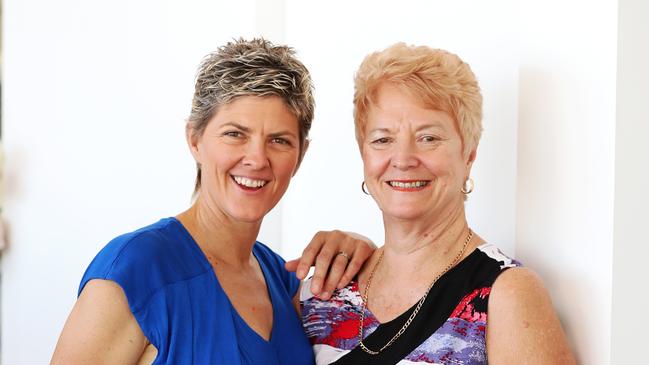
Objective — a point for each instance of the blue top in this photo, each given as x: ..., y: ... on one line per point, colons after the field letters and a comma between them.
x: 181, y: 308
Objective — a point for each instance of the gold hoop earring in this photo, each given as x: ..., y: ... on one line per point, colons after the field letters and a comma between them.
x: 468, y: 186
x: 363, y: 188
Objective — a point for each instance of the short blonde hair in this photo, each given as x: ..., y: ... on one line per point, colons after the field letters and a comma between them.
x: 439, y: 78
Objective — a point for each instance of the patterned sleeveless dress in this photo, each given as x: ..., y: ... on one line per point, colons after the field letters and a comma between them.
x: 449, y: 329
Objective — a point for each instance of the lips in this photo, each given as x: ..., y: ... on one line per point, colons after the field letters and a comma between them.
x: 408, y: 185
x: 249, y: 183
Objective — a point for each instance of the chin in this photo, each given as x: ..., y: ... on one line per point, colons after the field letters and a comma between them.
x: 247, y: 216
x: 404, y: 213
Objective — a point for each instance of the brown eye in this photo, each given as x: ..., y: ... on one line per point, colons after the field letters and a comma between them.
x: 233, y: 134
x: 428, y: 138
x: 281, y: 141
x: 382, y: 140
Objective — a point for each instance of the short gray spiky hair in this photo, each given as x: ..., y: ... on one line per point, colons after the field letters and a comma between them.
x: 254, y: 67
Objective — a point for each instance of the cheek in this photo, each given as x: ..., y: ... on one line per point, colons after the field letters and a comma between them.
x: 449, y: 167
x: 373, y: 163
x: 285, y: 166
x: 218, y: 158
x: 445, y: 170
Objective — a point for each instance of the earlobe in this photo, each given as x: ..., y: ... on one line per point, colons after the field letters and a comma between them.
x: 471, y: 157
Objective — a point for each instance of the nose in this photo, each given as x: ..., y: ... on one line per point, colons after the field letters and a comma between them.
x: 256, y: 156
x: 404, y: 156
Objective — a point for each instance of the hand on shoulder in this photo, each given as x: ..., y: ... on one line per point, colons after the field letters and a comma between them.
x: 337, y: 255
x: 522, y: 326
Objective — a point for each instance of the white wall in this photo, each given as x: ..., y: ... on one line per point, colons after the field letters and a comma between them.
x: 94, y: 100
x: 95, y: 95
x: 566, y: 146
x: 103, y: 151
x: 333, y: 43
x: 631, y: 245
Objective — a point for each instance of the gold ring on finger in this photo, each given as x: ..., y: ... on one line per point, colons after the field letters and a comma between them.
x: 344, y: 254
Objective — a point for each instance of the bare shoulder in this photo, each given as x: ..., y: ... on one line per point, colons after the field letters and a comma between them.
x: 516, y: 284
x: 522, y: 326
x: 100, y: 329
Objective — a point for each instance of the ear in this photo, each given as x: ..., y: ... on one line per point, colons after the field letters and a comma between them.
x: 471, y: 158
x: 299, y: 161
x: 192, y: 142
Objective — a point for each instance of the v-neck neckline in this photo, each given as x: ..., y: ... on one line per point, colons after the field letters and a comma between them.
x: 369, y: 315
x: 203, y: 258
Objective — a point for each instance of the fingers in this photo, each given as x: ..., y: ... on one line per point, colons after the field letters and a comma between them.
x: 309, y: 255
x: 291, y: 265
x: 361, y: 249
x: 335, y: 274
x: 332, y: 269
x: 361, y: 254
x: 322, y: 264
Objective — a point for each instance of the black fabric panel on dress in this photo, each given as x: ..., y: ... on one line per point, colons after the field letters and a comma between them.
x: 476, y: 271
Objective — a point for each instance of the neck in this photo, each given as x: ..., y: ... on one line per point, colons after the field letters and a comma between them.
x: 218, y: 235
x: 425, y: 245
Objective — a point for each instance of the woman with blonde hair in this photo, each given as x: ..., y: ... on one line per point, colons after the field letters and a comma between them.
x: 436, y: 292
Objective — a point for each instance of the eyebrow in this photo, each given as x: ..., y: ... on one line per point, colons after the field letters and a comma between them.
x: 247, y: 130
x: 379, y: 130
x: 428, y: 126
x: 425, y: 126
x: 236, y: 125
x: 283, y: 133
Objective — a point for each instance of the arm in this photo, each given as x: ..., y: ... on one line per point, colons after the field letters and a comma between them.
x: 100, y: 329
x: 522, y: 327
x: 323, y: 251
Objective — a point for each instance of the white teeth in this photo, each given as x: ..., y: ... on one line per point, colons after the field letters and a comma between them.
x: 408, y: 185
x: 251, y: 183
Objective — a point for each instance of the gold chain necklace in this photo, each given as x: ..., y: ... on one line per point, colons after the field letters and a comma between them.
x: 414, y: 313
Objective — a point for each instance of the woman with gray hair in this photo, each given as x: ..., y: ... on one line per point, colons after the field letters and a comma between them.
x: 198, y: 288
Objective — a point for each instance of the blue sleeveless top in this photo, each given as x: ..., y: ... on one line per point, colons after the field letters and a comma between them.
x: 181, y: 308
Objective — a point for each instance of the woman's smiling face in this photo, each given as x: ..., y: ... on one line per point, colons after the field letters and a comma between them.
x: 248, y: 153
x: 413, y: 161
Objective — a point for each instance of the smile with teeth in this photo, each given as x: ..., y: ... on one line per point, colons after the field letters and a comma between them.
x: 248, y: 182
x: 408, y: 184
